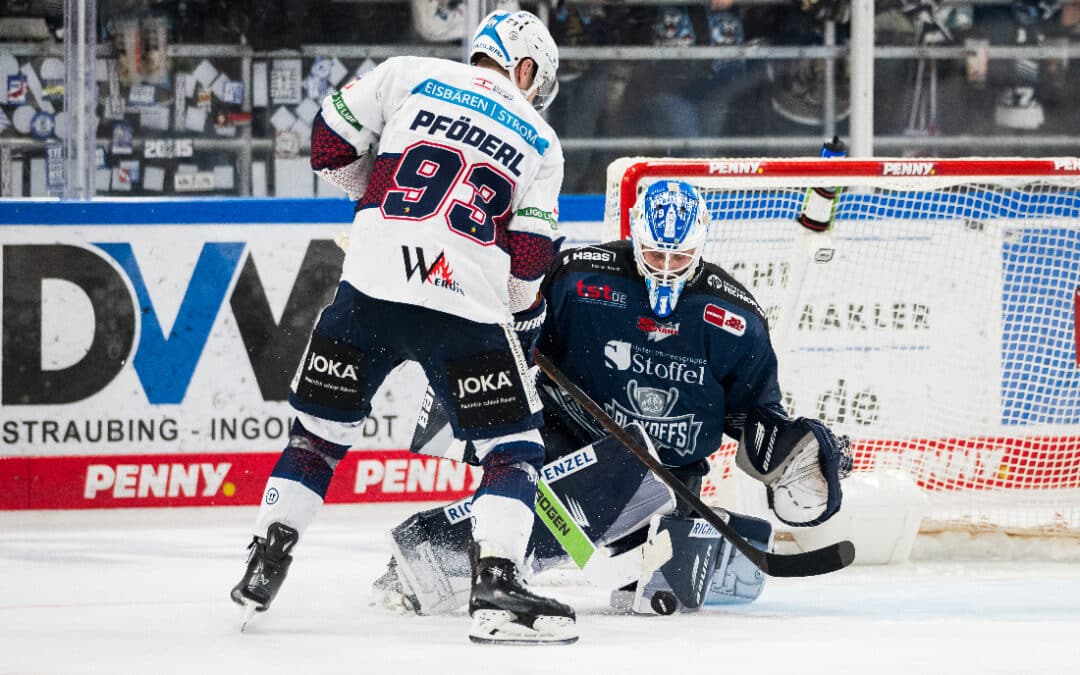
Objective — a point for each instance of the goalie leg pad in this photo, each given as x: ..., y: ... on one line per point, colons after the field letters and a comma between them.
x: 800, y: 462
x: 432, y: 550
x: 608, y: 492
x: 680, y: 583
x: 736, y: 580
x: 701, y: 568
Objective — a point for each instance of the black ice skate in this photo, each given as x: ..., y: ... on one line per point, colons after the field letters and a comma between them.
x: 504, y: 611
x: 268, y: 563
x: 392, y: 592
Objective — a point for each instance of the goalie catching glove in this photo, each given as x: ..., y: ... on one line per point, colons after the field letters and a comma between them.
x: 801, y: 463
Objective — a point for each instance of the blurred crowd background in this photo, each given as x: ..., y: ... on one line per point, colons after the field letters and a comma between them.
x: 208, y: 97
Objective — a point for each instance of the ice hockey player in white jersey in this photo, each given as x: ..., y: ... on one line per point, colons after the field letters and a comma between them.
x: 456, y: 177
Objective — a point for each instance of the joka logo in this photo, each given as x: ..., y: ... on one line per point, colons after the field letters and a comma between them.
x: 482, y: 384
x: 438, y: 274
x: 657, y: 331
x: 125, y: 319
x: 729, y: 321
x: 327, y: 366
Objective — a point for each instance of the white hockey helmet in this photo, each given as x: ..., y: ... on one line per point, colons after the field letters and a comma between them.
x: 668, y: 227
x: 508, y: 37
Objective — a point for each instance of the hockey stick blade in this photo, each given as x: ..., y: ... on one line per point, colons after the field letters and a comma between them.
x: 805, y: 564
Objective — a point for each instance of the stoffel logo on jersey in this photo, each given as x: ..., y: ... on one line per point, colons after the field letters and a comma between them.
x: 437, y: 274
x: 657, y: 331
x: 727, y: 320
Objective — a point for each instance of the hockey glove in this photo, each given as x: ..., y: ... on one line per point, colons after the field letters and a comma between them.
x: 527, y: 325
x: 800, y: 462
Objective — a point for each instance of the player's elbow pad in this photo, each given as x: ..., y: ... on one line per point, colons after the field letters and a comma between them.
x: 801, y: 463
x: 352, y: 179
x: 339, y: 162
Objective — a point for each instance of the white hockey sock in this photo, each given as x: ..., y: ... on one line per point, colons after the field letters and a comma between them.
x: 502, y: 527
x: 289, y: 502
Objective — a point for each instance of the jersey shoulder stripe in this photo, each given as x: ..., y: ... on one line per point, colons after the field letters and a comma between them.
x: 489, y: 107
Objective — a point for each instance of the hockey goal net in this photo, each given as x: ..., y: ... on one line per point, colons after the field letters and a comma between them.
x: 936, y: 323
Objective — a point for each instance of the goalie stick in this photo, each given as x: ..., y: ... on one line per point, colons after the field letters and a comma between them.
x: 806, y: 564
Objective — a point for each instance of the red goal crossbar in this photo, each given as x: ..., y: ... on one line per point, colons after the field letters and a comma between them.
x: 971, y: 168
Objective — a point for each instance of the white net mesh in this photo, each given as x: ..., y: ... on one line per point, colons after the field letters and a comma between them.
x: 936, y: 324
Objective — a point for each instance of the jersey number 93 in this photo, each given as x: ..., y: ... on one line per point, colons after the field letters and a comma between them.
x: 426, y: 176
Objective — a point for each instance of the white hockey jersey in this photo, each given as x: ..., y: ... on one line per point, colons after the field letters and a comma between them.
x: 461, y: 206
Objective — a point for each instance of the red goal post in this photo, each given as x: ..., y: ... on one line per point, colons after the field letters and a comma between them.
x: 936, y: 323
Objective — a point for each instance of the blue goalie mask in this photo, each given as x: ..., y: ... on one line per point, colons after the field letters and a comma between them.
x: 669, y: 226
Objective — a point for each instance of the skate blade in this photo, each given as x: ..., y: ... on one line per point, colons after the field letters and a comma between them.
x: 497, y: 627
x: 248, y: 613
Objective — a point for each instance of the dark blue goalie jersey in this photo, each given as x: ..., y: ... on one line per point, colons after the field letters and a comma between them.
x: 684, y: 378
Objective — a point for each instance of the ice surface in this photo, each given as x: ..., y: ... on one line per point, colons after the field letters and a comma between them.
x: 146, y: 591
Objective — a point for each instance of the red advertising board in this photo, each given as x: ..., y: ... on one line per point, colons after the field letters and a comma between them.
x: 218, y: 479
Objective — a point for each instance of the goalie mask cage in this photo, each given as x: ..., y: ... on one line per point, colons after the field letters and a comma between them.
x: 936, y: 323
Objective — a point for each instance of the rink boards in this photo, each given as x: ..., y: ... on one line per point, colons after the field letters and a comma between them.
x: 148, y: 348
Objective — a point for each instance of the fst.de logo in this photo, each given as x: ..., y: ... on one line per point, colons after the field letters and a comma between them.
x: 600, y: 295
